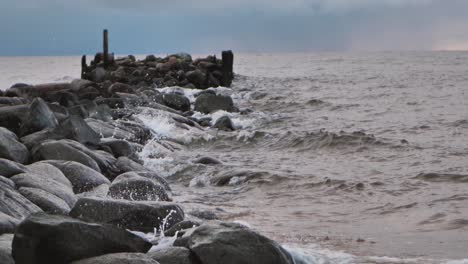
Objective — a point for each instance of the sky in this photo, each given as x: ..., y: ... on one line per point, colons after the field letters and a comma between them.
x: 74, y: 27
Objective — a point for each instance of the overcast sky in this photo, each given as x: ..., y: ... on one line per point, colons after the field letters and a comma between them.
x: 71, y: 27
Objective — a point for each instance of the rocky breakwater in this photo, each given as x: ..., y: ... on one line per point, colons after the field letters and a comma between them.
x: 74, y: 190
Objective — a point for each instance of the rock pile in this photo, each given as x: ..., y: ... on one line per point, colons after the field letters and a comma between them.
x: 72, y: 184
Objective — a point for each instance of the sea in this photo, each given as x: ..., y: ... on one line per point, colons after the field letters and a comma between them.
x: 340, y: 157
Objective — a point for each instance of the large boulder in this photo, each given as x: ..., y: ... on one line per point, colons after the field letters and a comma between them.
x: 120, y: 258
x: 10, y: 168
x: 39, y: 117
x: 125, y: 164
x: 53, y: 239
x: 11, y: 117
x: 56, y: 150
x: 13, y: 205
x: 50, y: 171
x: 133, y: 215
x: 7, y: 224
x: 231, y: 243
x: 176, y: 101
x: 5, y: 249
x: 197, y: 77
x: 153, y: 176
x: 121, y: 148
x: 11, y: 148
x: 172, y: 255
x: 82, y: 178
x: 48, y: 202
x: 224, y: 123
x: 77, y: 129
x: 131, y: 186
x: 207, y: 103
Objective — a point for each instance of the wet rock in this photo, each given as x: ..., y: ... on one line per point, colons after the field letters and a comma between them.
x: 172, y: 255
x: 120, y: 88
x: 100, y: 191
x: 127, y: 130
x: 125, y: 164
x: 43, y: 182
x: 183, y: 225
x: 50, y: 171
x: 56, y: 150
x: 45, y: 200
x: 98, y: 75
x: 230, y: 243
x: 13, y: 100
x: 82, y: 178
x: 153, y: 176
x: 7, y: 224
x: 13, y: 203
x: 121, y: 148
x: 78, y: 85
x: 224, y: 123
x: 11, y: 117
x: 113, y: 102
x: 5, y: 249
x: 207, y: 161
x: 122, y: 258
x: 197, y: 77
x: 207, y: 103
x: 133, y: 215
x: 204, y: 214
x: 10, y: 168
x: 39, y: 117
x: 77, y: 129
x: 43, y: 238
x: 11, y: 148
x: 136, y: 188
x: 177, y: 101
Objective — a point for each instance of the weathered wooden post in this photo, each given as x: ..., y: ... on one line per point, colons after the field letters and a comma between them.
x: 228, y: 61
x: 105, y: 48
x: 84, y: 67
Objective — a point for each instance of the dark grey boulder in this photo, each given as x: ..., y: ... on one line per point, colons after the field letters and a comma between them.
x: 56, y: 150
x: 10, y: 168
x: 11, y: 148
x: 120, y: 88
x: 82, y: 178
x: 182, y: 225
x: 77, y: 129
x: 207, y: 103
x: 79, y: 84
x: 45, y: 200
x: 127, y: 130
x: 185, y: 57
x: 125, y: 164
x: 46, y: 184
x: 207, y: 161
x: 197, y: 77
x: 119, y: 258
x: 133, y: 187
x: 231, y: 243
x: 224, y: 123
x: 98, y: 75
x: 172, y: 255
x: 39, y: 117
x: 5, y: 249
x: 50, y: 171
x: 176, y: 101
x: 133, y: 215
x: 7, y: 224
x: 153, y: 176
x: 11, y: 117
x: 121, y: 148
x: 13, y: 203
x: 54, y: 239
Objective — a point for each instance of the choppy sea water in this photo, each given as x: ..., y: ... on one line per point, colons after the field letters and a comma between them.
x: 345, y: 158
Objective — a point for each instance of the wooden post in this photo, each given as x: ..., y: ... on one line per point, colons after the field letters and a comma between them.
x: 228, y: 62
x: 84, y: 67
x: 105, y: 47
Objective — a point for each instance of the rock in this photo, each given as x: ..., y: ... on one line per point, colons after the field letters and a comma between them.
x: 45, y: 200
x: 185, y: 57
x: 13, y: 203
x: 11, y: 117
x: 153, y: 176
x: 127, y: 130
x: 197, y: 77
x: 207, y: 103
x: 11, y: 148
x: 125, y: 164
x: 133, y: 187
x: 224, y: 123
x: 77, y: 85
x: 56, y: 150
x: 97, y: 192
x: 7, y: 224
x: 177, y: 101
x: 183, y: 225
x: 120, y: 258
x: 172, y: 255
x: 82, y: 178
x: 13, y: 100
x: 10, y: 168
x: 50, y: 171
x: 46, y: 184
x: 77, y: 129
x: 230, y: 243
x: 43, y: 238
x: 150, y: 58
x: 113, y: 102
x: 5, y: 249
x: 98, y: 75
x: 133, y: 215
x: 207, y: 161
x: 39, y: 117
x: 121, y: 148
x: 120, y: 88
